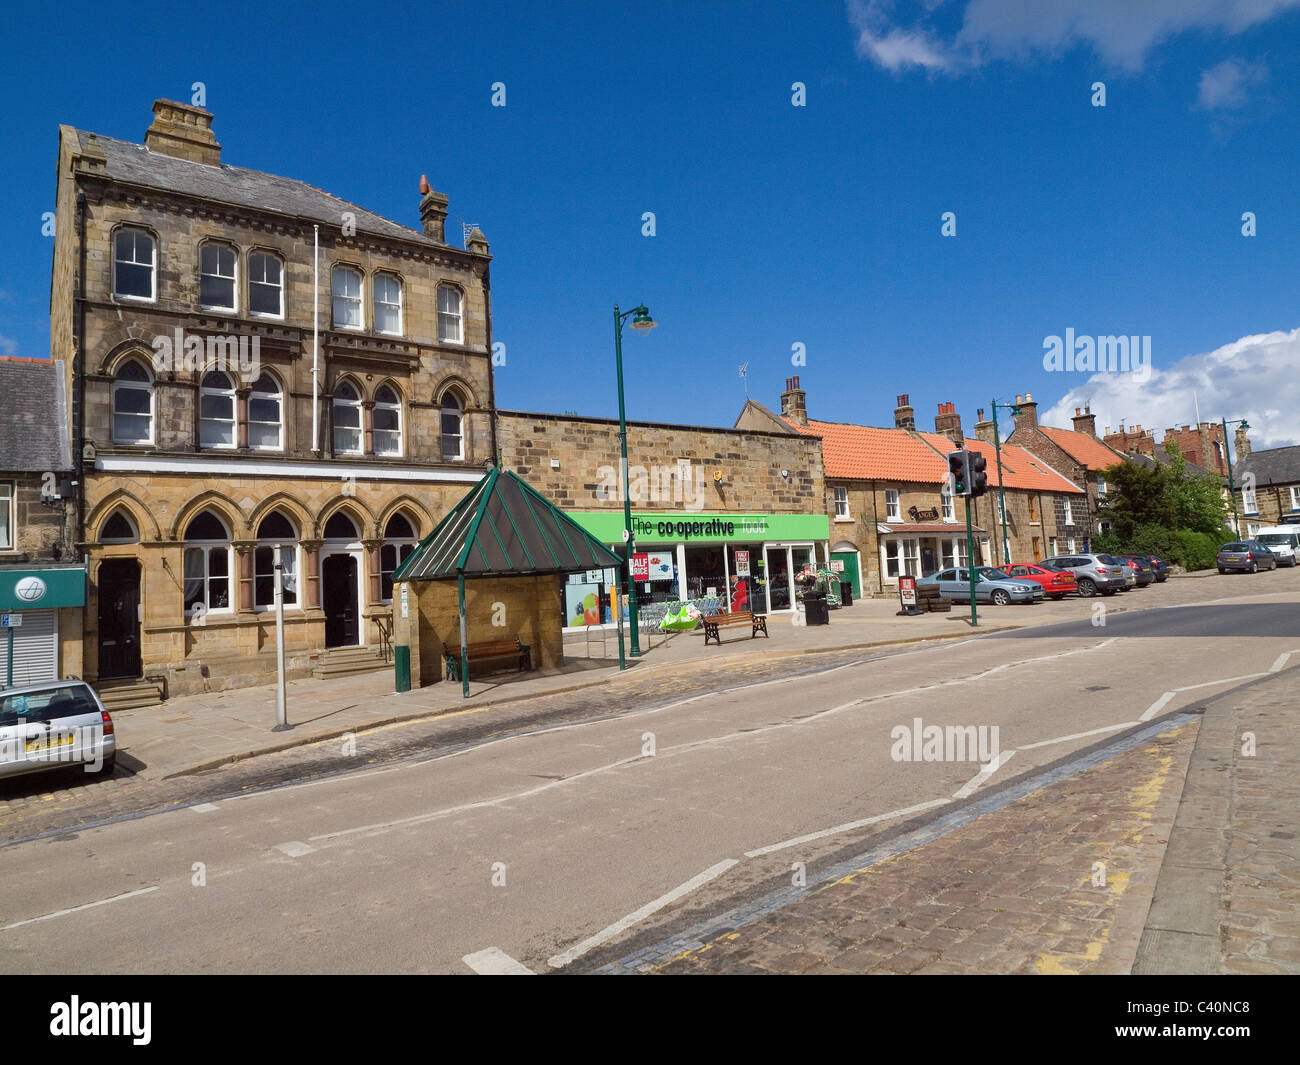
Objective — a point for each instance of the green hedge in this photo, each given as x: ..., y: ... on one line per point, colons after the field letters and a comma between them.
x: 1191, y: 550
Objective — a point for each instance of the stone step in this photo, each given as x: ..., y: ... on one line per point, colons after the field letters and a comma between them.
x: 130, y: 696
x: 345, y: 661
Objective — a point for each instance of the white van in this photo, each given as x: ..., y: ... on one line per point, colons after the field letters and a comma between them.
x: 1283, y: 541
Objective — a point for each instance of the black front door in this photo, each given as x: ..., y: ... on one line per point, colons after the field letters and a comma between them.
x: 119, y: 619
x: 339, y: 575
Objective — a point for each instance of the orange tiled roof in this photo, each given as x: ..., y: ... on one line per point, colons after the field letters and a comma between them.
x: 1086, y: 449
x: 864, y: 452
x: 1022, y: 469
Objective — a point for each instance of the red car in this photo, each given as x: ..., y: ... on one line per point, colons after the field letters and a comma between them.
x: 1057, y: 584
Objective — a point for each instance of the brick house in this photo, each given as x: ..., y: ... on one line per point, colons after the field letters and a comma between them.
x: 889, y: 513
x: 254, y: 366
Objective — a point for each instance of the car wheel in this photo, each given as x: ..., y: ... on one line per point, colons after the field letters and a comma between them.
x: 1111, y: 591
x: 1087, y: 588
x: 1000, y: 598
x: 1056, y: 598
x: 1222, y: 570
x: 1254, y: 567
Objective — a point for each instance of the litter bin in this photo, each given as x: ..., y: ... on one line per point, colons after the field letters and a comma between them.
x: 816, y: 612
x: 846, y: 593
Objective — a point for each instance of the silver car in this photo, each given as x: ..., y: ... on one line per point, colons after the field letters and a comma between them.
x: 52, y: 726
x: 1094, y: 573
x: 991, y: 586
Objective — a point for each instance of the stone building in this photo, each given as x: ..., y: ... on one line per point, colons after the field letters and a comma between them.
x: 1267, y: 488
x: 255, y: 367
x: 1201, y: 445
x: 42, y: 581
x: 709, y: 505
x: 885, y: 495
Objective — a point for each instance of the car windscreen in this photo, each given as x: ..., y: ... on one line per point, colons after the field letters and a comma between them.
x: 1276, y: 538
x: 988, y: 573
x: 1233, y: 547
x: 49, y: 704
x: 1108, y: 560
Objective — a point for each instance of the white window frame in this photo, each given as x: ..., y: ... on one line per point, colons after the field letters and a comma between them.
x: 402, y: 547
x: 254, y: 396
x: 291, y: 571
x: 841, y: 497
x: 1069, y: 514
x: 348, y: 404
x: 947, y: 552
x: 1295, y: 496
x: 893, y: 506
x: 356, y: 303
x: 912, y: 556
x: 152, y: 264
x: 8, y: 515
x: 891, y: 556
x: 396, y: 409
x: 449, y: 317
x: 386, y: 277
x: 253, y: 283
x: 233, y: 277
x: 206, y: 548
x: 149, y: 385
x: 1249, y: 502
x: 207, y: 391
x: 946, y: 508
x: 963, y: 556
x: 1052, y: 552
x: 1071, y: 546
x: 1101, y: 485
x: 460, y: 427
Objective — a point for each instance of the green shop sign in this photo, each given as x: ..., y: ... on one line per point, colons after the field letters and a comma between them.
x: 40, y: 589
x: 607, y: 526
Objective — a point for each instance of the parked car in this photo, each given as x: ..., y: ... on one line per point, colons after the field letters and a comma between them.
x: 52, y: 726
x: 991, y: 586
x: 1283, y: 541
x: 1056, y: 583
x: 1249, y: 556
x: 1093, y: 573
x: 1161, y: 567
x: 1141, y: 567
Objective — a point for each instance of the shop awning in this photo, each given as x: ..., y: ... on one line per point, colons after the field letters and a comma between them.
x: 504, y: 528
x: 39, y: 588
x: 922, y: 529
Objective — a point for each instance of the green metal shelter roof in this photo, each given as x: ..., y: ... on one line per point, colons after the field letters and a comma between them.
x: 504, y: 528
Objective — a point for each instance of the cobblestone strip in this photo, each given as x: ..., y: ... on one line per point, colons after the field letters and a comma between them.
x: 1052, y: 874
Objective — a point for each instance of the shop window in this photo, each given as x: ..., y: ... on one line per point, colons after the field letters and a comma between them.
x: 387, y: 418
x: 399, y: 541
x: 347, y: 419
x: 265, y: 415
x: 132, y: 405
x: 892, y: 510
x: 216, y: 410
x: 388, y: 304
x: 947, y: 553
x: 217, y: 277
x: 347, y: 298
x: 134, y: 264
x: 207, y: 566
x: 275, y: 533
x: 841, y: 503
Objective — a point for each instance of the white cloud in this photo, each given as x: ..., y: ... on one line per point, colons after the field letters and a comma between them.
x: 1252, y: 378
x: 1121, y: 32
x: 1224, y: 85
x: 8, y: 346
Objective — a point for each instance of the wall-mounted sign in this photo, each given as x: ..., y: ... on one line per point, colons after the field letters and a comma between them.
x: 837, y: 565
x: 929, y: 514
x: 405, y: 606
x: 660, y: 565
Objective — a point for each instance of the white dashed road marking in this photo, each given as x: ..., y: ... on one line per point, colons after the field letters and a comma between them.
x: 294, y: 849
x: 78, y: 909
x: 495, y: 962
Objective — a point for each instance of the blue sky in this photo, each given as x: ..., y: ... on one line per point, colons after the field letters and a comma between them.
x: 775, y: 224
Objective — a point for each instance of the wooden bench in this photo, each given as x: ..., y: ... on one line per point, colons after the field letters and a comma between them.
x: 713, y: 622
x: 491, y: 656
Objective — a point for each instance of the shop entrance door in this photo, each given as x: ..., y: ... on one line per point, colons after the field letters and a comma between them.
x: 849, y: 559
x: 780, y: 593
x: 929, y: 562
x: 119, y: 619
x: 339, y: 600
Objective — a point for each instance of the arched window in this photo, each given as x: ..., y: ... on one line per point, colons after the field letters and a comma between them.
x: 135, y: 261
x: 449, y: 318
x: 347, y: 419
x: 265, y: 285
x: 275, y: 533
x: 399, y: 541
x: 207, y: 565
x: 266, y: 415
x: 347, y: 298
x: 341, y: 527
x: 216, y: 410
x: 387, y: 421
x: 133, y: 405
x: 217, y: 275
x: 453, y: 439
x: 118, y: 529
x: 388, y: 304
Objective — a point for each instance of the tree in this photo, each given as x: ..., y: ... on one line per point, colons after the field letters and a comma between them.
x: 1136, y: 495
x: 1196, y: 500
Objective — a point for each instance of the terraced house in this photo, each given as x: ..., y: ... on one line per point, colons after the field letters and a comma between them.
x: 888, y: 509
x: 255, y: 366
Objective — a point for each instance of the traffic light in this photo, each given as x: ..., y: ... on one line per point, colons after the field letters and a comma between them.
x: 979, y: 480
x: 959, y: 469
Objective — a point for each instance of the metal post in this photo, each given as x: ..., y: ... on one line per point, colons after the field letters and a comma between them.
x: 618, y: 618
x: 1232, y: 495
x: 970, y: 564
x: 627, y: 500
x: 9, y: 668
x: 464, y: 647
x: 281, y: 702
x: 1002, y: 493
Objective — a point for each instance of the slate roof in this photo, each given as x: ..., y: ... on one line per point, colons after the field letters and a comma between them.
x: 137, y: 165
x: 504, y: 528
x: 1278, y: 465
x: 34, y: 422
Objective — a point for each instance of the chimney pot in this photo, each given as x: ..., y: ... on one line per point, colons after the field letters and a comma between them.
x: 183, y: 132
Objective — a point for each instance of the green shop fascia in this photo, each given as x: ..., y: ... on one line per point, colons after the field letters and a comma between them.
x: 751, y: 559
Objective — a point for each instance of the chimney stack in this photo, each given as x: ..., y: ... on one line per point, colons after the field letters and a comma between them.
x: 1085, y: 421
x: 184, y: 132
x: 433, y: 213
x: 948, y: 422
x: 983, y: 427
x: 1242, y: 444
x: 794, y: 402
x: 1028, y: 416
x: 904, y: 416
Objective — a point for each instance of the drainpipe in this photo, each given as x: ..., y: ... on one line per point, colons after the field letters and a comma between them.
x: 492, y: 396
x: 78, y: 396
x: 875, y: 521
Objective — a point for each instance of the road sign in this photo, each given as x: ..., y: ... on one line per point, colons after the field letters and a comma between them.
x: 11, y: 621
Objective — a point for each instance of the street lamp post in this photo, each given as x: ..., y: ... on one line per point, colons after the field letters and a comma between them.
x: 1227, y: 454
x: 642, y: 323
x: 1002, y: 492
